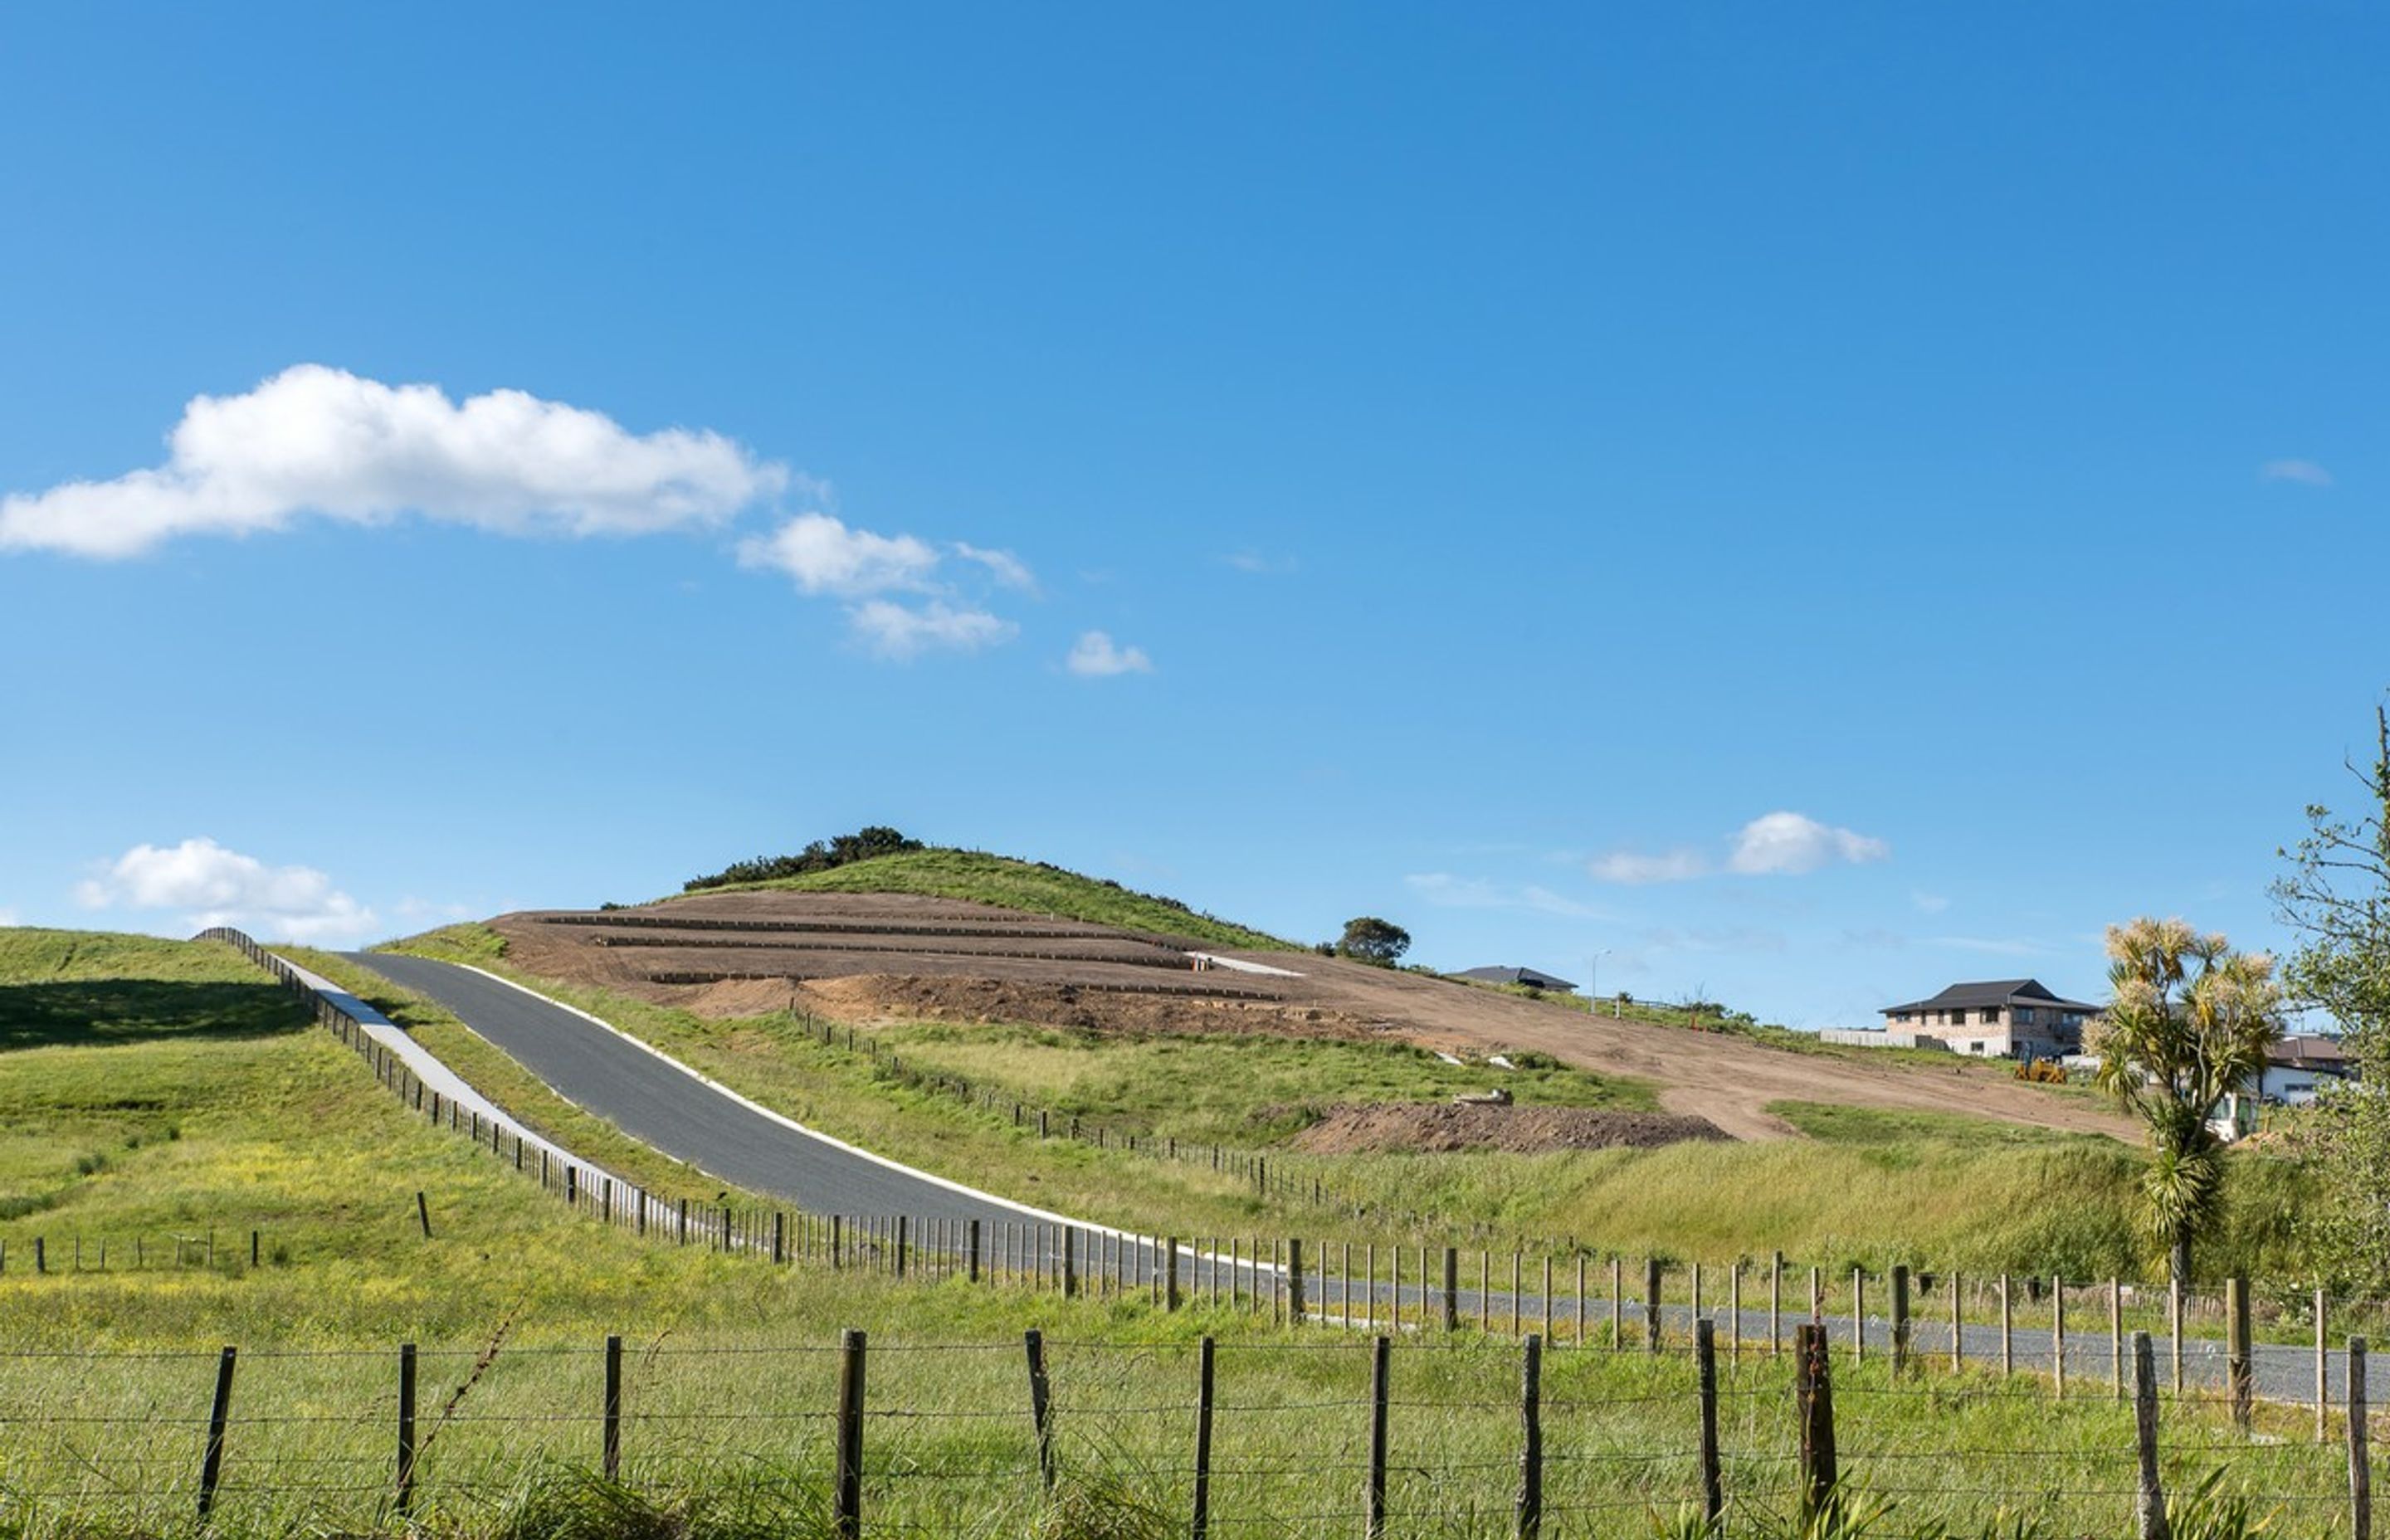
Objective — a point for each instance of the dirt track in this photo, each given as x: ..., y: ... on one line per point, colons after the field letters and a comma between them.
x: 861, y: 956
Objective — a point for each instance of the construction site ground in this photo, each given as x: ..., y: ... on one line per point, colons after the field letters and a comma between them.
x: 885, y: 957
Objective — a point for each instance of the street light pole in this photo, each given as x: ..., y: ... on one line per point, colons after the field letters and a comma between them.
x: 1593, y: 983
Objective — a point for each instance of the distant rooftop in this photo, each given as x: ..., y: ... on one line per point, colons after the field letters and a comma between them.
x: 1532, y: 978
x: 1993, y: 991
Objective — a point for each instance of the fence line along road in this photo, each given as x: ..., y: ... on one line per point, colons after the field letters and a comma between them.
x: 860, y: 1209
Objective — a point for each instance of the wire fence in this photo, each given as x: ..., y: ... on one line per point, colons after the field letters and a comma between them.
x: 1279, y: 1436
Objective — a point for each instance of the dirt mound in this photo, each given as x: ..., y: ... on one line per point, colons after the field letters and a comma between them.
x: 1347, y: 1129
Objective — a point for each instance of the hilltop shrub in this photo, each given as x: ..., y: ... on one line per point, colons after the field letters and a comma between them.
x: 841, y: 850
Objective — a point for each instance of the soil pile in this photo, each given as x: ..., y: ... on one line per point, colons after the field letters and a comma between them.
x: 1349, y: 1129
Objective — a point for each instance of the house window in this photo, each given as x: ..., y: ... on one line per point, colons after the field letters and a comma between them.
x: 1990, y: 1016
x: 2025, y: 1016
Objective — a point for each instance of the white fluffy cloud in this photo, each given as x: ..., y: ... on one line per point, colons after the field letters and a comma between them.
x: 319, y: 440
x: 1635, y: 869
x: 1774, y: 844
x: 825, y: 557
x: 823, y: 554
x: 2305, y: 472
x: 1789, y: 845
x: 1096, y: 655
x: 7, y: 919
x: 216, y: 886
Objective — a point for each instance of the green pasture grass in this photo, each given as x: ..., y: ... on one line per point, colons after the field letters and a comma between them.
x: 219, y: 1106
x: 1030, y: 886
x: 1231, y: 1089
x: 726, y: 1431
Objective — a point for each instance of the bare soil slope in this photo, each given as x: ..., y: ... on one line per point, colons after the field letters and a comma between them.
x: 863, y: 956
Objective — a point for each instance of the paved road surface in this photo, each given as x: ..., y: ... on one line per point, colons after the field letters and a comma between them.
x: 663, y: 1104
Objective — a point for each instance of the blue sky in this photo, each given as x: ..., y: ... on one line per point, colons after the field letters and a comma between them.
x: 1812, y: 502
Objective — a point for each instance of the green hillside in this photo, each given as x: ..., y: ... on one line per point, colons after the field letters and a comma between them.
x: 1033, y: 886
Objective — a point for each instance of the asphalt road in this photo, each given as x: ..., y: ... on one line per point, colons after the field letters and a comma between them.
x: 661, y: 1104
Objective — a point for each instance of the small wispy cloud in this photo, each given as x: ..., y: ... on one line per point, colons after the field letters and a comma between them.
x: 1003, y: 566
x: 2304, y: 472
x: 1260, y: 565
x: 1928, y: 904
x: 824, y: 556
x: 1447, y: 890
x: 1779, y: 844
x: 902, y: 632
x: 1096, y: 655
x: 1790, y: 844
x: 1635, y: 869
x: 1997, y: 946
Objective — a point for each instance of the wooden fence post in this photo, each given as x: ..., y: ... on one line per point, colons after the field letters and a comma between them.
x: 2236, y: 1347
x: 2058, y: 1333
x: 1202, y: 1524
x: 1858, y: 1315
x: 1617, y: 1307
x: 2360, y: 1470
x: 1651, y: 1304
x: 1958, y: 1323
x: 2008, y: 1334
x: 1294, y: 1279
x: 1070, y: 1263
x: 779, y: 1238
x: 2174, y: 1329
x: 614, y: 1437
x: 970, y: 1251
x: 1899, y: 1319
x: 1530, y: 1523
x: 1452, y: 1289
x: 1040, y: 1404
x: 1813, y: 1400
x: 404, y: 1496
x: 2150, y: 1502
x: 846, y: 1493
x: 2323, y: 1362
x: 1705, y: 1366
x: 1374, y: 1506
x: 219, y: 1413
x: 1775, y: 1306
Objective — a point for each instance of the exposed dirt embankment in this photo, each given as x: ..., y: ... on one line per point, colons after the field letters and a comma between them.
x: 861, y: 956
x: 1442, y: 1126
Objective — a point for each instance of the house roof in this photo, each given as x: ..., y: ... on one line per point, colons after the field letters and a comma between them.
x: 1515, y: 975
x: 2309, y: 1051
x: 1992, y: 992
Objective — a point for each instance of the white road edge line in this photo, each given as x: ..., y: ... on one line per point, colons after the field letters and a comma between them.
x: 786, y: 1122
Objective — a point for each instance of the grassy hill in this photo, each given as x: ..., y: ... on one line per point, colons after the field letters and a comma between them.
x: 1033, y: 886
x: 163, y: 1088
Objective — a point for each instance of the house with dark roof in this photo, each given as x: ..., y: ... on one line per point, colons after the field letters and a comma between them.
x: 1995, y: 1019
x: 1529, y: 977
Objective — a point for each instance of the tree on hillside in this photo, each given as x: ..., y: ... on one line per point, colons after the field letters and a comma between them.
x: 1371, y: 940
x: 2337, y: 897
x: 2189, y: 1022
x: 840, y: 850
